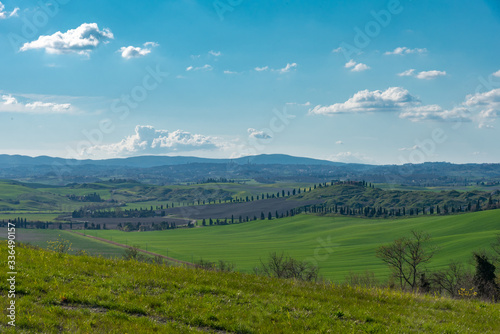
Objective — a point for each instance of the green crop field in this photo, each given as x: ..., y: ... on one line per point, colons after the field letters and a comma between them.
x: 39, y: 237
x: 337, y: 245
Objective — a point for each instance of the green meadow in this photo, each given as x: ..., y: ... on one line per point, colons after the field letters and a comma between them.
x: 61, y: 293
x: 337, y: 245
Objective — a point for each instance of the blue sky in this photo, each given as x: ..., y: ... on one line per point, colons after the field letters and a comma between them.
x: 383, y: 82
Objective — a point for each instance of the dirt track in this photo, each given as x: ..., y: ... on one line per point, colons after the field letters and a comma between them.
x: 189, y: 264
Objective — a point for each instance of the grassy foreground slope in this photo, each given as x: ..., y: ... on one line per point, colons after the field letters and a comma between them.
x: 80, y: 294
x: 337, y: 245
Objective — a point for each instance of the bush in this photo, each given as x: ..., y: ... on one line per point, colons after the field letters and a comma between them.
x: 132, y: 253
x: 61, y: 246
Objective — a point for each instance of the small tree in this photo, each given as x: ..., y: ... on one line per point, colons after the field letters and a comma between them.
x: 132, y: 253
x: 452, y: 278
x: 281, y: 266
x: 484, y: 278
x: 406, y: 257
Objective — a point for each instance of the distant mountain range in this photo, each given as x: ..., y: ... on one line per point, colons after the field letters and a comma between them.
x: 264, y: 168
x: 7, y: 161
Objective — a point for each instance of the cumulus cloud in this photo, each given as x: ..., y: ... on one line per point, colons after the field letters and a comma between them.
x: 350, y: 63
x: 148, y: 140
x: 407, y: 73
x: 214, y: 53
x: 339, y: 142
x: 337, y: 50
x: 424, y: 75
x: 205, y: 67
x: 230, y: 72
x: 436, y: 113
x: 356, y: 67
x: 427, y: 75
x: 486, y: 106
x: 9, y: 99
x: 81, y: 40
x: 404, y: 51
x: 261, y: 69
x: 4, y: 14
x: 287, y: 68
x: 496, y: 74
x: 252, y: 133
x: 11, y: 104
x: 392, y: 99
x: 136, y: 52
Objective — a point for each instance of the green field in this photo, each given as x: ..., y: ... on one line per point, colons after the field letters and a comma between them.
x: 350, y: 242
x: 39, y: 238
x: 58, y: 293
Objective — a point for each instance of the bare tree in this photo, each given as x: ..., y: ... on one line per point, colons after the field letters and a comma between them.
x: 452, y: 278
x: 281, y: 266
x: 406, y: 258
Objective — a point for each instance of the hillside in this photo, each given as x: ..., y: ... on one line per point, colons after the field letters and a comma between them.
x: 264, y: 168
x: 80, y: 294
x: 358, y: 196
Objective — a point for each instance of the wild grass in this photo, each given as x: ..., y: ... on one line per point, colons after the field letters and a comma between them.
x: 80, y: 294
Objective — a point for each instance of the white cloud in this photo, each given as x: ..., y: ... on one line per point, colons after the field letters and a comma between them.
x: 356, y: 67
x: 436, y: 113
x: 11, y: 104
x: 136, y: 52
x: 337, y: 50
x: 148, y: 140
x: 9, y: 99
x: 261, y: 69
x: 339, y: 142
x: 424, y: 75
x: 214, y: 53
x: 4, y: 14
x: 427, y: 75
x: 81, y: 40
x: 407, y: 73
x: 350, y: 157
x: 307, y: 104
x: 404, y: 50
x: 133, y: 52
x: 230, y: 72
x: 56, y: 107
x: 360, y: 67
x: 252, y: 133
x: 392, y: 99
x: 205, y: 67
x: 287, y: 68
x: 496, y: 74
x: 413, y: 148
x: 486, y: 106
x: 151, y: 44
x: 350, y: 63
